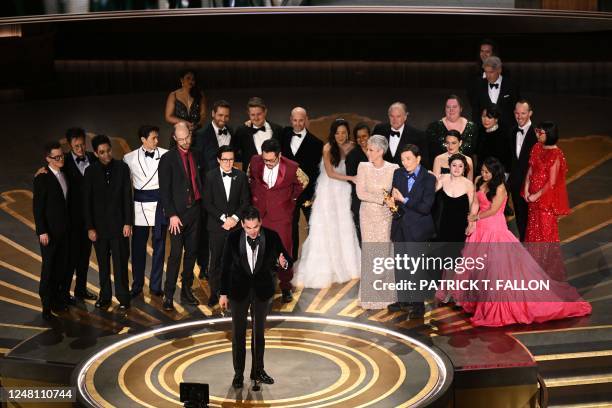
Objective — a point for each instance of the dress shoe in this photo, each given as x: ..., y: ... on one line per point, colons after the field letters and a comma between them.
x: 212, y: 302
x: 188, y: 298
x: 135, y: 293
x: 168, y: 305
x: 397, y: 306
x: 123, y: 307
x: 59, y: 307
x: 102, y: 305
x: 70, y: 300
x: 47, y: 315
x: 238, y: 381
x: 158, y: 293
x: 416, y: 313
x: 86, y: 295
x: 262, y: 377
x: 287, y: 296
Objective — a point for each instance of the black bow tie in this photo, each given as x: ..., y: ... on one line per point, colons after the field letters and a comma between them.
x: 149, y: 154
x: 394, y: 133
x: 521, y: 130
x: 298, y: 135
x: 411, y: 176
x: 261, y: 129
x: 80, y: 159
x: 227, y: 174
x: 253, y: 242
x: 493, y: 86
x: 223, y: 131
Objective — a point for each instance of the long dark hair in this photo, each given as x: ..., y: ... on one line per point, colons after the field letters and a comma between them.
x: 335, y: 149
x: 497, y: 178
x: 194, y: 92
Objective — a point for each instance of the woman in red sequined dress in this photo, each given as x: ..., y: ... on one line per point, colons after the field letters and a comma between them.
x: 544, y: 189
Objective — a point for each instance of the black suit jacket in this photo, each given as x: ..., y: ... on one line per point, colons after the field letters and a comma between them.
x: 416, y: 224
x: 51, y: 214
x: 76, y: 181
x: 236, y: 277
x: 215, y: 201
x: 207, y: 146
x: 520, y: 165
x: 509, y: 94
x: 308, y: 157
x: 108, y: 207
x: 174, y: 184
x: 409, y: 135
x: 245, y: 143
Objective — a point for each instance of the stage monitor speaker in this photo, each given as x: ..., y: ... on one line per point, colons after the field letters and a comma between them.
x: 194, y: 395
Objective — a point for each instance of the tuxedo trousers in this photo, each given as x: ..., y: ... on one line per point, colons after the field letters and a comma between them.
x: 295, y: 227
x: 80, y: 252
x: 217, y: 243
x: 259, y: 313
x: 284, y: 229
x: 186, y: 239
x: 53, y: 272
x: 140, y: 236
x: 521, y: 212
x: 119, y: 249
x: 203, y: 242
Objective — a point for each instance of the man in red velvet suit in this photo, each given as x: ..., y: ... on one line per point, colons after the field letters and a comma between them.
x: 276, y: 183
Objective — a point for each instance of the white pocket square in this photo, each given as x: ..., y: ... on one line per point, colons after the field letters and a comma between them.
x: 506, y: 96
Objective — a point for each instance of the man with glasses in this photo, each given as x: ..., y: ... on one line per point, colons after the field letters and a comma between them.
x: 276, y: 183
x: 226, y: 196
x: 180, y: 196
x: 51, y: 192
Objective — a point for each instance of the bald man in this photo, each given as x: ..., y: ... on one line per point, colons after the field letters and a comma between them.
x: 399, y: 134
x: 301, y: 146
x: 180, y: 196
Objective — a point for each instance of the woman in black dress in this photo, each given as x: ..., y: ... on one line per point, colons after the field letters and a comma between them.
x: 492, y: 142
x: 455, y: 194
x: 186, y: 104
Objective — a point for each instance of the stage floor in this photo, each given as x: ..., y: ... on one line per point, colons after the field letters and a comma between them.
x: 490, y: 367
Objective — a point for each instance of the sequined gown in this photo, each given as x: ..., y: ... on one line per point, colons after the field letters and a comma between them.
x: 436, y: 133
x: 542, y: 222
x: 190, y: 115
x: 375, y: 219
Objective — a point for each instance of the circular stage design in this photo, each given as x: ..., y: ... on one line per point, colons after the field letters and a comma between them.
x: 316, y: 362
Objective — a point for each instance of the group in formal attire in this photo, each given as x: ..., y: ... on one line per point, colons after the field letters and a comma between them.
x: 241, y: 223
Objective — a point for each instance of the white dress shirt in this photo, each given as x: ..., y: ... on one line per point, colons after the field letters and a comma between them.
x: 520, y: 138
x: 222, y: 140
x: 259, y: 137
x: 81, y: 165
x: 494, y: 92
x: 227, y: 184
x: 61, y: 179
x: 296, y: 141
x: 251, y: 255
x: 270, y: 175
x: 395, y: 140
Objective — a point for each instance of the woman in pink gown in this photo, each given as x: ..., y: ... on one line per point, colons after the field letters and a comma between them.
x: 508, y: 261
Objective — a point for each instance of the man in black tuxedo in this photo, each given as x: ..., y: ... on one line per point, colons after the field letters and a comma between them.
x: 52, y: 219
x: 251, y: 258
x: 399, y: 133
x: 498, y: 90
x: 248, y: 139
x: 180, y: 196
x: 109, y: 216
x: 523, y: 138
x: 414, y: 191
x: 301, y: 146
x: 226, y: 196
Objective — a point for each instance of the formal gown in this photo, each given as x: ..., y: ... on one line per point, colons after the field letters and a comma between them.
x: 436, y: 134
x: 331, y: 253
x: 542, y: 219
x: 508, y: 260
x: 190, y: 115
x: 375, y: 219
x: 494, y: 144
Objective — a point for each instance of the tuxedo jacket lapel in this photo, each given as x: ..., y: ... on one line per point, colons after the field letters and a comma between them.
x: 243, y: 253
x: 261, y: 252
x: 282, y: 169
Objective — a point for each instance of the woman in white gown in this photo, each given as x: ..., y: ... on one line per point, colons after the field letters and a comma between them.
x: 331, y: 253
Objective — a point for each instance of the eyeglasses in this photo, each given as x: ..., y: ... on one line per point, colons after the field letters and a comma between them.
x: 227, y: 160
x: 57, y: 158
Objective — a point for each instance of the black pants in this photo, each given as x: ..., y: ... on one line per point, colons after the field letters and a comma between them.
x: 203, y: 243
x: 520, y: 212
x: 139, y: 258
x: 217, y: 243
x: 53, y: 272
x: 186, y: 239
x: 295, y: 226
x: 80, y: 251
x: 119, y: 249
x: 259, y: 313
